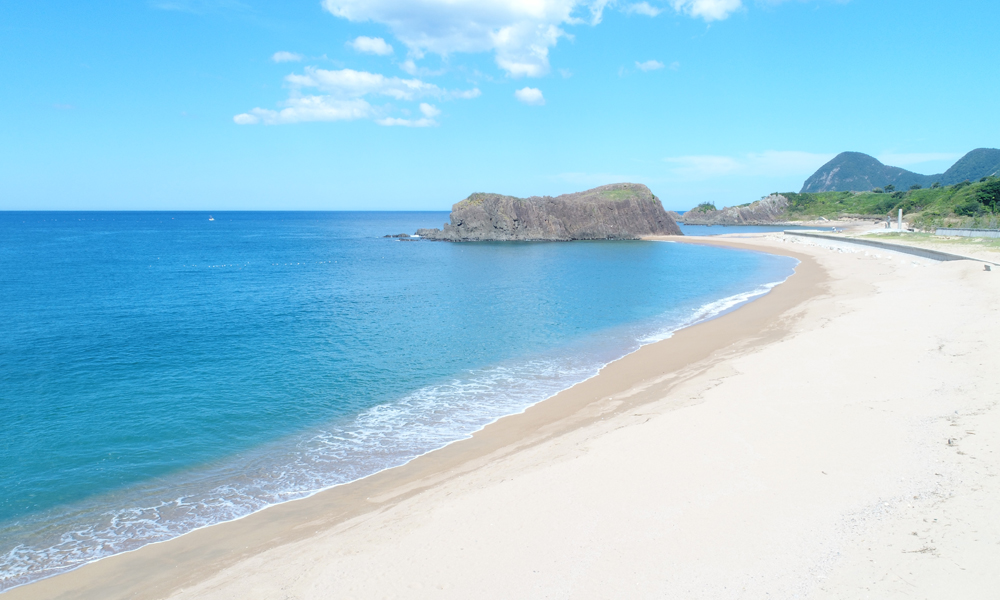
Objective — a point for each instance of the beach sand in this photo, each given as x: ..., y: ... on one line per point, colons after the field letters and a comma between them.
x: 836, y: 438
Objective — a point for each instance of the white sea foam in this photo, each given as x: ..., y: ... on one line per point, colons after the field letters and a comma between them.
x: 348, y: 449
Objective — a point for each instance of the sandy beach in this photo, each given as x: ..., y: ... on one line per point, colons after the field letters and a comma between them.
x: 835, y: 438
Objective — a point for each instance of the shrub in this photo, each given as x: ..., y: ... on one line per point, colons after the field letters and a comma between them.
x: 989, y: 194
x: 705, y: 207
x: 916, y: 186
x: 969, y: 208
x: 936, y: 185
x: 890, y: 187
x: 877, y: 190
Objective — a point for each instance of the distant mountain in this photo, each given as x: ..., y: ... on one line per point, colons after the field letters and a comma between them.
x: 981, y: 162
x: 858, y: 172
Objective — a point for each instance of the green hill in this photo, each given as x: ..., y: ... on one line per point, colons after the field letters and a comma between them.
x: 981, y: 162
x: 858, y: 172
x: 969, y: 203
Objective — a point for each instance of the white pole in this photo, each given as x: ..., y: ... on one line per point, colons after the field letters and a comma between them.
x: 899, y: 220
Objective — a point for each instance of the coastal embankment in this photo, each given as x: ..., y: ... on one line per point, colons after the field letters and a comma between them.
x: 832, y: 439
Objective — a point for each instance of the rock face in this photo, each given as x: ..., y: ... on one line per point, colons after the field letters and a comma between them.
x: 765, y: 211
x: 621, y: 211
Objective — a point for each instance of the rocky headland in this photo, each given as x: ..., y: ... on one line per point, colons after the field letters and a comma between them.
x: 620, y: 211
x: 769, y: 210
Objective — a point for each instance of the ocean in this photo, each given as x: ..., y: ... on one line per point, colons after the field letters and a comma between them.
x: 161, y: 372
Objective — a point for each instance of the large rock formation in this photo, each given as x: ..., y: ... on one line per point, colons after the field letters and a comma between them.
x: 766, y: 211
x: 621, y: 211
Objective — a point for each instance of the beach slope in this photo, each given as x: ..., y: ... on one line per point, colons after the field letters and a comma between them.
x: 834, y: 439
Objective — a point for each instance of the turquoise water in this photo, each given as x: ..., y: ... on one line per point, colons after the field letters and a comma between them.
x: 161, y: 372
x: 700, y: 230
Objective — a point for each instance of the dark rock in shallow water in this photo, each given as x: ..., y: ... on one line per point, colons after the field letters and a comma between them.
x: 398, y: 235
x: 621, y: 211
x: 766, y: 211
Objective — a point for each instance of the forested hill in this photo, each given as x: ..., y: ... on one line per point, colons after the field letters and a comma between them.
x: 858, y: 172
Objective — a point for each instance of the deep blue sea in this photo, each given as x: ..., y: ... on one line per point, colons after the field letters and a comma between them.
x: 161, y: 372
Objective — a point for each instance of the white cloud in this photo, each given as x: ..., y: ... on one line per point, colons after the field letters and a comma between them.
x: 675, y: 66
x: 430, y: 111
x: 280, y: 57
x: 530, y: 95
x: 916, y: 158
x: 308, y: 108
x: 391, y: 122
x: 709, y: 10
x: 649, y: 65
x: 371, y: 45
x: 642, y: 8
x: 342, y: 98
x: 354, y: 84
x: 518, y: 32
x: 764, y: 164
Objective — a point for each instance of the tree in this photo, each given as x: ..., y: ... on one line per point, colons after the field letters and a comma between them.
x: 936, y: 184
x: 890, y: 187
x: 989, y: 194
x: 916, y: 186
x: 877, y: 190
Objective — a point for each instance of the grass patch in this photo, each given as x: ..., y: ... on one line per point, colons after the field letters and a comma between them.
x: 961, y: 205
x: 992, y: 244
x: 618, y: 195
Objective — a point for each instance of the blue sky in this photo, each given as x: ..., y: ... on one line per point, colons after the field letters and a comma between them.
x: 414, y: 104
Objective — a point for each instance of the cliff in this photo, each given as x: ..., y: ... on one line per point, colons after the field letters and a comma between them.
x: 765, y: 211
x: 621, y: 211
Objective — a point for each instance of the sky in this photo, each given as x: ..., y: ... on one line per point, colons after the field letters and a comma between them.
x: 415, y: 104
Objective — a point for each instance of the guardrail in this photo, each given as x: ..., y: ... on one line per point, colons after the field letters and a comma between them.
x: 984, y: 233
x: 921, y: 252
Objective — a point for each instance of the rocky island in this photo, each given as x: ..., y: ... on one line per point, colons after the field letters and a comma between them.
x: 766, y: 211
x: 620, y: 211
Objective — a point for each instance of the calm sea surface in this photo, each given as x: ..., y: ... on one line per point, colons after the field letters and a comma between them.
x: 161, y: 372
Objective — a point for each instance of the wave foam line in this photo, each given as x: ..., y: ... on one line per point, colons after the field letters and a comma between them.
x: 381, y: 437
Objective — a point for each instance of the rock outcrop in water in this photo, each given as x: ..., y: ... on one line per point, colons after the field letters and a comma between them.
x: 621, y: 211
x: 766, y: 211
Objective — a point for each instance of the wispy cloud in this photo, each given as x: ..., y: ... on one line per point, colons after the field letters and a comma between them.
x: 343, y: 96
x: 708, y: 10
x: 519, y: 33
x: 649, y: 65
x: 764, y: 164
x: 429, y: 111
x: 916, y: 158
x: 282, y: 56
x: 370, y: 45
x: 530, y: 95
x: 642, y: 8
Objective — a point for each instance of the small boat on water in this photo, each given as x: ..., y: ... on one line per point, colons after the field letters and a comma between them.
x: 211, y: 218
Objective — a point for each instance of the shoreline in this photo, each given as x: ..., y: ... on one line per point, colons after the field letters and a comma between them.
x: 619, y: 386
